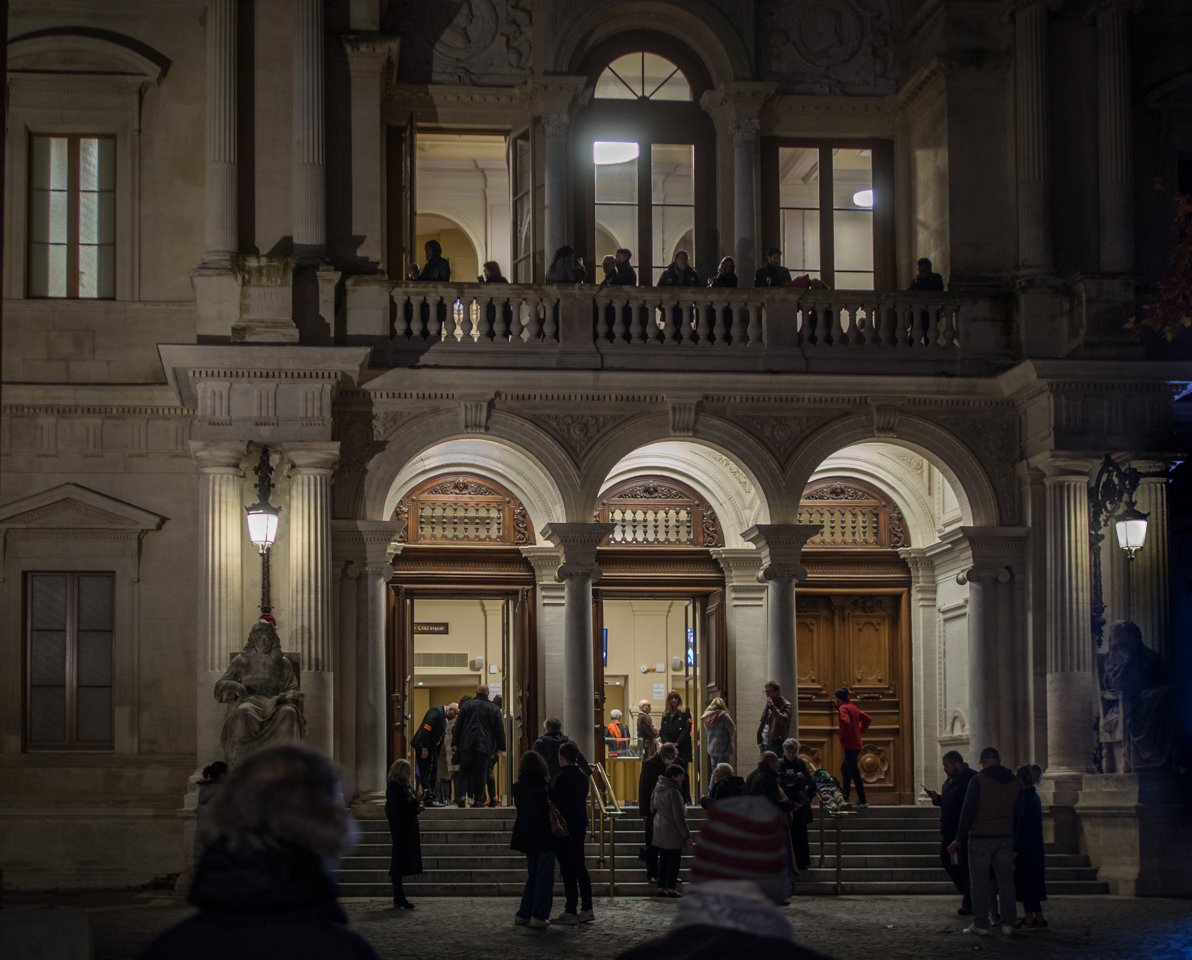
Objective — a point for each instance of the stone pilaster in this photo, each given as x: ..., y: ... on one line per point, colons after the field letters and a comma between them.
x: 222, y: 222
x: 220, y: 594
x: 579, y: 571
x: 309, y: 184
x: 1150, y: 588
x: 1115, y: 145
x: 780, y: 546
x: 551, y: 606
x: 308, y: 611
x: 745, y: 629
x: 1033, y: 153
x: 551, y: 99
x: 925, y: 668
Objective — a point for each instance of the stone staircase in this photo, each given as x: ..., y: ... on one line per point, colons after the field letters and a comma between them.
x: 465, y: 853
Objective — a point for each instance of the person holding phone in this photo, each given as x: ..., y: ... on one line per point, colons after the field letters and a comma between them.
x: 950, y: 799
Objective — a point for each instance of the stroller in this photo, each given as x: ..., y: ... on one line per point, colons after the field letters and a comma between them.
x: 828, y: 789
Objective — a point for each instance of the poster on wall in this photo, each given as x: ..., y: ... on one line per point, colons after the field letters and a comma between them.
x: 659, y: 691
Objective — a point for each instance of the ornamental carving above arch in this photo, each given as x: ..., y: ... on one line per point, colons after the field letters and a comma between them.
x: 854, y: 514
x: 462, y: 509
x: 650, y: 511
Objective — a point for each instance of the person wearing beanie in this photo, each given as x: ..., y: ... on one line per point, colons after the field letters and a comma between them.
x: 745, y: 838
x: 853, y: 723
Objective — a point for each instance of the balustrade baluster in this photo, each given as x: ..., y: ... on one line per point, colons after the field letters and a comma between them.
x: 703, y: 328
x: 720, y: 331
x: 603, y: 321
x: 668, y: 323
x: 754, y: 333
x: 688, y: 332
x: 851, y: 336
x: 933, y: 327
x: 640, y: 323
x: 548, y: 319
x: 515, y: 319
x: 837, y: 329
x: 619, y: 320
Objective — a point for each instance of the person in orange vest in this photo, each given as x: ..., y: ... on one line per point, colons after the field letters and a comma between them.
x: 616, y: 736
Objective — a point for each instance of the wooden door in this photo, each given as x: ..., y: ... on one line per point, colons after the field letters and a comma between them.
x: 715, y: 649
x: 860, y: 641
x: 598, y: 674
x: 524, y: 704
x: 400, y: 655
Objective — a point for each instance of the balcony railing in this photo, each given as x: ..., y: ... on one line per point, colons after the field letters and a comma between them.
x: 691, y: 328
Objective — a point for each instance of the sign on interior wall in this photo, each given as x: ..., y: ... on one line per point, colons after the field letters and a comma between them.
x: 439, y: 628
x: 659, y: 691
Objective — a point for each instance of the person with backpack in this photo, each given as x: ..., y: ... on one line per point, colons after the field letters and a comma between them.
x: 853, y: 723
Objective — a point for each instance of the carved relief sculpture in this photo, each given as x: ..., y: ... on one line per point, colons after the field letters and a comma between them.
x: 1138, y: 696
x: 474, y: 42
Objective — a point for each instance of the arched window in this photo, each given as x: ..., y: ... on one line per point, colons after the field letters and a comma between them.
x: 658, y: 512
x: 462, y: 509
x: 642, y: 76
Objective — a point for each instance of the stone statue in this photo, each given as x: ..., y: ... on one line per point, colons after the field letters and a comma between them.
x: 1138, y: 722
x: 261, y: 689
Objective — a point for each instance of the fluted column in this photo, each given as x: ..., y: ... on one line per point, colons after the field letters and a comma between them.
x: 309, y: 156
x: 743, y: 132
x: 1150, y: 590
x: 221, y: 628
x: 554, y: 131
x: 780, y: 547
x: 579, y: 571
x: 1071, y: 693
x: 306, y: 621
x: 222, y: 221
x: 1115, y: 148
x: 1033, y: 145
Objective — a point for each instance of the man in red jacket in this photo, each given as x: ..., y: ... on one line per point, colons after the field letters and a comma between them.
x: 853, y: 723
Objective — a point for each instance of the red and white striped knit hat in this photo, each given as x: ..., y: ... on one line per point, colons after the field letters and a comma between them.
x: 745, y: 838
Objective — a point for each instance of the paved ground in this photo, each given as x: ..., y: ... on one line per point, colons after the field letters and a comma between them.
x: 851, y: 928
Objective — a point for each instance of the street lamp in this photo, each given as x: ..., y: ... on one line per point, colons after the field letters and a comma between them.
x: 262, y: 524
x: 1111, y: 498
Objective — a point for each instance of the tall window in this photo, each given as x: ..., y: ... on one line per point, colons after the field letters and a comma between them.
x: 72, y: 217
x: 616, y: 196
x: 642, y: 76
x: 673, y: 184
x: 69, y: 622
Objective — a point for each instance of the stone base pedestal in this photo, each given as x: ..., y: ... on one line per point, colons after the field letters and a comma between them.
x: 1137, y: 830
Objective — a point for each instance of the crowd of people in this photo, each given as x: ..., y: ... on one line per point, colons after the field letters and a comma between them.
x: 617, y: 271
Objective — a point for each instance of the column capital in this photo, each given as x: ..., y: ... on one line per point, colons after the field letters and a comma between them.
x: 1153, y: 469
x: 545, y: 561
x: 781, y: 548
x: 578, y: 542
x: 552, y: 95
x: 736, y: 101
x: 921, y: 565
x: 554, y: 125
x: 741, y: 565
x: 994, y: 552
x: 218, y: 456
x: 365, y: 541
x: 319, y: 457
x: 370, y: 49
x: 1068, y: 469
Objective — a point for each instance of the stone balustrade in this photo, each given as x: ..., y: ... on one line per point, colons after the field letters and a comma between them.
x: 709, y: 329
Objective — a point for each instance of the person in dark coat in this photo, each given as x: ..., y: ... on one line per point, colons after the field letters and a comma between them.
x: 566, y: 267
x: 214, y: 774
x: 264, y: 887
x: 772, y: 273
x: 492, y: 273
x: 726, y: 274
x: 569, y: 789
x: 794, y: 777
x: 1030, y: 865
x: 402, y: 806
x: 426, y: 743
x: 950, y: 800
x: 532, y: 836
x: 763, y: 782
x: 478, y: 734
x: 548, y: 745
x: 438, y: 268
x: 680, y: 273
x: 925, y: 279
x: 625, y: 276
x: 676, y: 728
x: 652, y: 768
x: 725, y: 784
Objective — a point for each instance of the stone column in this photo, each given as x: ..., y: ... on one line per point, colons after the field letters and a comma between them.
x: 743, y: 132
x: 1115, y: 146
x: 781, y: 546
x: 579, y: 571
x: 1150, y: 590
x: 1071, y: 691
x: 222, y: 238
x: 372, y: 706
x: 554, y: 134
x: 925, y: 666
x: 220, y: 628
x: 309, y: 207
x: 745, y: 632
x: 1033, y: 154
x: 308, y: 612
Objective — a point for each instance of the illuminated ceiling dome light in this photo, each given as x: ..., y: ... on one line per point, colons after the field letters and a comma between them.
x: 863, y: 198
x: 606, y: 152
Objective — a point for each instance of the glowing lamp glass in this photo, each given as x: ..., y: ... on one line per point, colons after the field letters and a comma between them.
x: 607, y: 152
x: 1131, y: 533
x: 262, y: 528
x: 863, y: 198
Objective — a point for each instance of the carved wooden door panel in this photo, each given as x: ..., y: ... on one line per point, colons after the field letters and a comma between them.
x: 598, y: 675
x: 858, y: 641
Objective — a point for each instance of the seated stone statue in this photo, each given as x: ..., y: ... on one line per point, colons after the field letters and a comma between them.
x: 1138, y: 725
x: 262, y: 691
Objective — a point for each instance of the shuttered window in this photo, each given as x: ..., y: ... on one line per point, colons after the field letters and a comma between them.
x: 69, y: 621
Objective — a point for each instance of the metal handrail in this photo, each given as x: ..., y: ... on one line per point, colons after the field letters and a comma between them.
x: 601, y: 818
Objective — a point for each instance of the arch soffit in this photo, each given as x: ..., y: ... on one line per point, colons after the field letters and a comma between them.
x: 973, y: 488
x: 612, y: 447
x: 734, y: 496
x: 895, y: 480
x: 544, y: 463
x: 697, y: 25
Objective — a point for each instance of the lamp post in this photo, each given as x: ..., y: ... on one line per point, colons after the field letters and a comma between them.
x: 262, y: 524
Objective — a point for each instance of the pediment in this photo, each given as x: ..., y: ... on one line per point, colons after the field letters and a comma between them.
x: 73, y: 507
x: 77, y: 53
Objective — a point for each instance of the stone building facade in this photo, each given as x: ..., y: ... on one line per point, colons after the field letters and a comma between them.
x: 209, y: 212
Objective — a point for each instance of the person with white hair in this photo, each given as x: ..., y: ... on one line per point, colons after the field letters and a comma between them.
x: 616, y: 735
x: 647, y: 733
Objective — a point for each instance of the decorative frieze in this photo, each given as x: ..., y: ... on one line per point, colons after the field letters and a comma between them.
x: 577, y: 431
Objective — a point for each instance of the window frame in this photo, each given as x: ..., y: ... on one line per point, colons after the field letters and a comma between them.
x: 71, y: 743
x: 884, y: 250
x: 73, y: 193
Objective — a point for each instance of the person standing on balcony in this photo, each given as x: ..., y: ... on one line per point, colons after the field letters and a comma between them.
x: 438, y: 267
x: 950, y: 799
x: 647, y: 733
x: 626, y: 275
x: 772, y: 273
x: 676, y: 729
x: 569, y: 790
x: 925, y: 279
x: 680, y: 273
x: 608, y: 267
x: 492, y: 273
x: 726, y: 274
x: 775, y: 725
x: 566, y: 267
x: 853, y: 723
x: 721, y: 731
